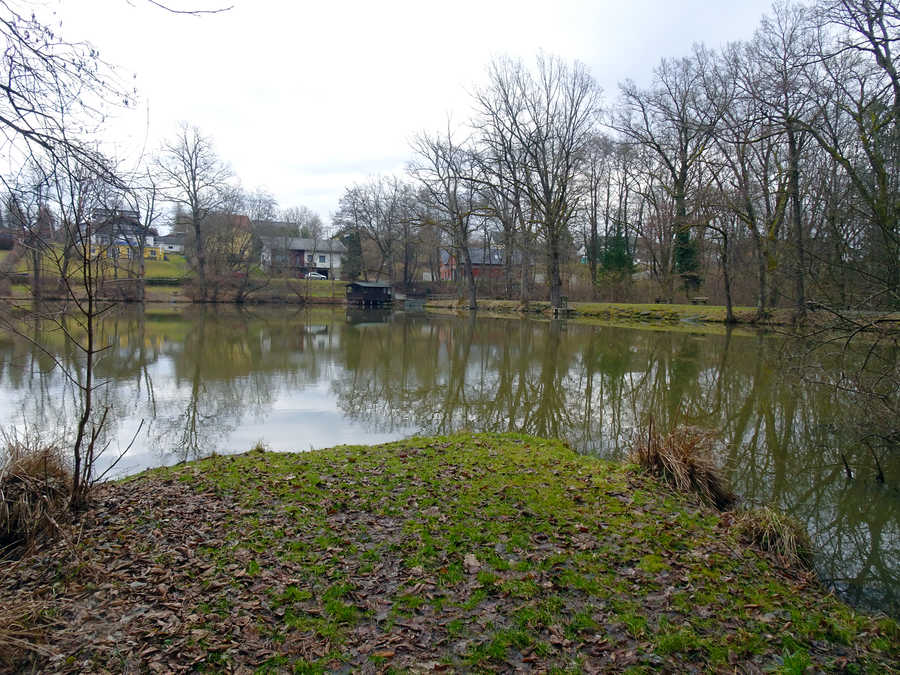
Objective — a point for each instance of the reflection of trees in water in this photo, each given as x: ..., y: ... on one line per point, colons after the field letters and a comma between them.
x: 591, y: 386
x: 443, y: 375
x: 50, y: 398
x: 194, y: 378
x: 199, y: 376
x: 231, y: 366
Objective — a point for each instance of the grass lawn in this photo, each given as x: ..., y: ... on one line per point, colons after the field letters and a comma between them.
x: 174, y: 267
x: 462, y: 553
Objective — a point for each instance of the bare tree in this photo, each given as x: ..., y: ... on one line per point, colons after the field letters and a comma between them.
x: 144, y: 198
x: 379, y: 210
x: 673, y: 120
x: 309, y: 223
x: 449, y: 175
x: 597, y: 206
x: 199, y: 181
x: 550, y: 115
x: 50, y: 86
x: 73, y: 192
x: 857, y: 122
x: 784, y: 48
x: 259, y: 205
x: 745, y: 160
x: 655, y: 228
x: 502, y: 163
x: 32, y: 223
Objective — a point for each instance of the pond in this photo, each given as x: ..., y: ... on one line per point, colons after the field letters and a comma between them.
x: 185, y: 383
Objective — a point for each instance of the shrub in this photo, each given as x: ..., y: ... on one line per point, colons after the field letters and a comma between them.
x: 35, y: 486
x: 684, y: 458
x: 165, y: 281
x: 777, y: 532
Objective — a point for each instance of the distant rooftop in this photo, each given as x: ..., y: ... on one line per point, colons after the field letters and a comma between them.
x: 370, y: 284
x: 307, y: 245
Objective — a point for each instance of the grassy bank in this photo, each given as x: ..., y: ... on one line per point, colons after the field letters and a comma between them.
x: 620, y: 312
x: 471, y: 552
x: 274, y: 291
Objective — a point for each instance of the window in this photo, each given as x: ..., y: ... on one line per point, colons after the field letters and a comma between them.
x: 321, y: 259
x: 309, y: 258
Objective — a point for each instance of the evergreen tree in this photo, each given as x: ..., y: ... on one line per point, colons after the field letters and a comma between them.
x: 352, y: 264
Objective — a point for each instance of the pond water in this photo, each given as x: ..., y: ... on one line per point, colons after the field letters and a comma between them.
x: 184, y: 383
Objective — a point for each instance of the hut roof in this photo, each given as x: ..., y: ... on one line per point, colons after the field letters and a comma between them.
x: 370, y: 284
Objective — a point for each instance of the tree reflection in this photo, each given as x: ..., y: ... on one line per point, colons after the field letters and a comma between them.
x: 592, y: 386
x: 199, y: 377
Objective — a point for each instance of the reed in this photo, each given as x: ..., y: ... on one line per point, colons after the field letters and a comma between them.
x: 684, y: 458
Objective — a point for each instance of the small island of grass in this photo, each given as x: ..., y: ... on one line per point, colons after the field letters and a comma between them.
x: 460, y: 553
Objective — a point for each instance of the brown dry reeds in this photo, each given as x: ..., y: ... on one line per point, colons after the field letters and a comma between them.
x: 777, y: 532
x: 684, y: 458
x: 35, y: 485
x: 23, y: 634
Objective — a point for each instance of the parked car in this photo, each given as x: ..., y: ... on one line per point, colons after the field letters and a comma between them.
x: 315, y: 275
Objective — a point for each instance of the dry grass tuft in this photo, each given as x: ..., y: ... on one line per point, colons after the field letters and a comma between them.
x: 23, y: 634
x: 684, y: 458
x: 777, y: 532
x: 35, y: 485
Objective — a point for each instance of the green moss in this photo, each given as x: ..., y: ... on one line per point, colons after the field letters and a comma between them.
x: 379, y: 542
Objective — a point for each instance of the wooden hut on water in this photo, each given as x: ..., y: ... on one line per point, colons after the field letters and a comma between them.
x: 369, y: 293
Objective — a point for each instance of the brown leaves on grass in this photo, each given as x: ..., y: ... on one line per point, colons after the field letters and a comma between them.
x: 131, y: 583
x: 439, y: 554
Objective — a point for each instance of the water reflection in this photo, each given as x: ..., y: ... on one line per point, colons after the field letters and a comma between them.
x: 224, y: 378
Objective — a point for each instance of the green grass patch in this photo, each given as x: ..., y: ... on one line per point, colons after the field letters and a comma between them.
x: 481, y: 552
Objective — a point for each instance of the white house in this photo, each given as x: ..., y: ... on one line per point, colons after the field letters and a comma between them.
x: 171, y: 243
x: 301, y: 256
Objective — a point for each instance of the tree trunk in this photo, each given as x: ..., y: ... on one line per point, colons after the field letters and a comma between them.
x: 199, y: 255
x: 761, y: 274
x: 553, y: 273
x: 470, y: 277
x: 36, y: 291
x: 796, y: 221
x: 508, y: 234
x: 141, y: 275
x: 523, y: 282
x: 726, y: 278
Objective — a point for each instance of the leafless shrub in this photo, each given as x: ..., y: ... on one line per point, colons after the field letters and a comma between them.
x: 685, y: 459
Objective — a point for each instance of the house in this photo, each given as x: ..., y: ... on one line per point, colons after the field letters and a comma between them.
x: 229, y: 237
x: 300, y: 256
x: 171, y: 243
x: 486, y: 263
x: 119, y: 233
x: 369, y: 293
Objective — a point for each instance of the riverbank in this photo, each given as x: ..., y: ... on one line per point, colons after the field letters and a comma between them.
x: 302, y: 292
x: 470, y: 552
x: 619, y: 312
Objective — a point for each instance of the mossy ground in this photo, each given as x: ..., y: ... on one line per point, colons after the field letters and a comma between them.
x: 461, y: 553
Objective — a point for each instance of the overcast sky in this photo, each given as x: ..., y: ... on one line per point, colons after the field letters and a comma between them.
x: 305, y: 98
